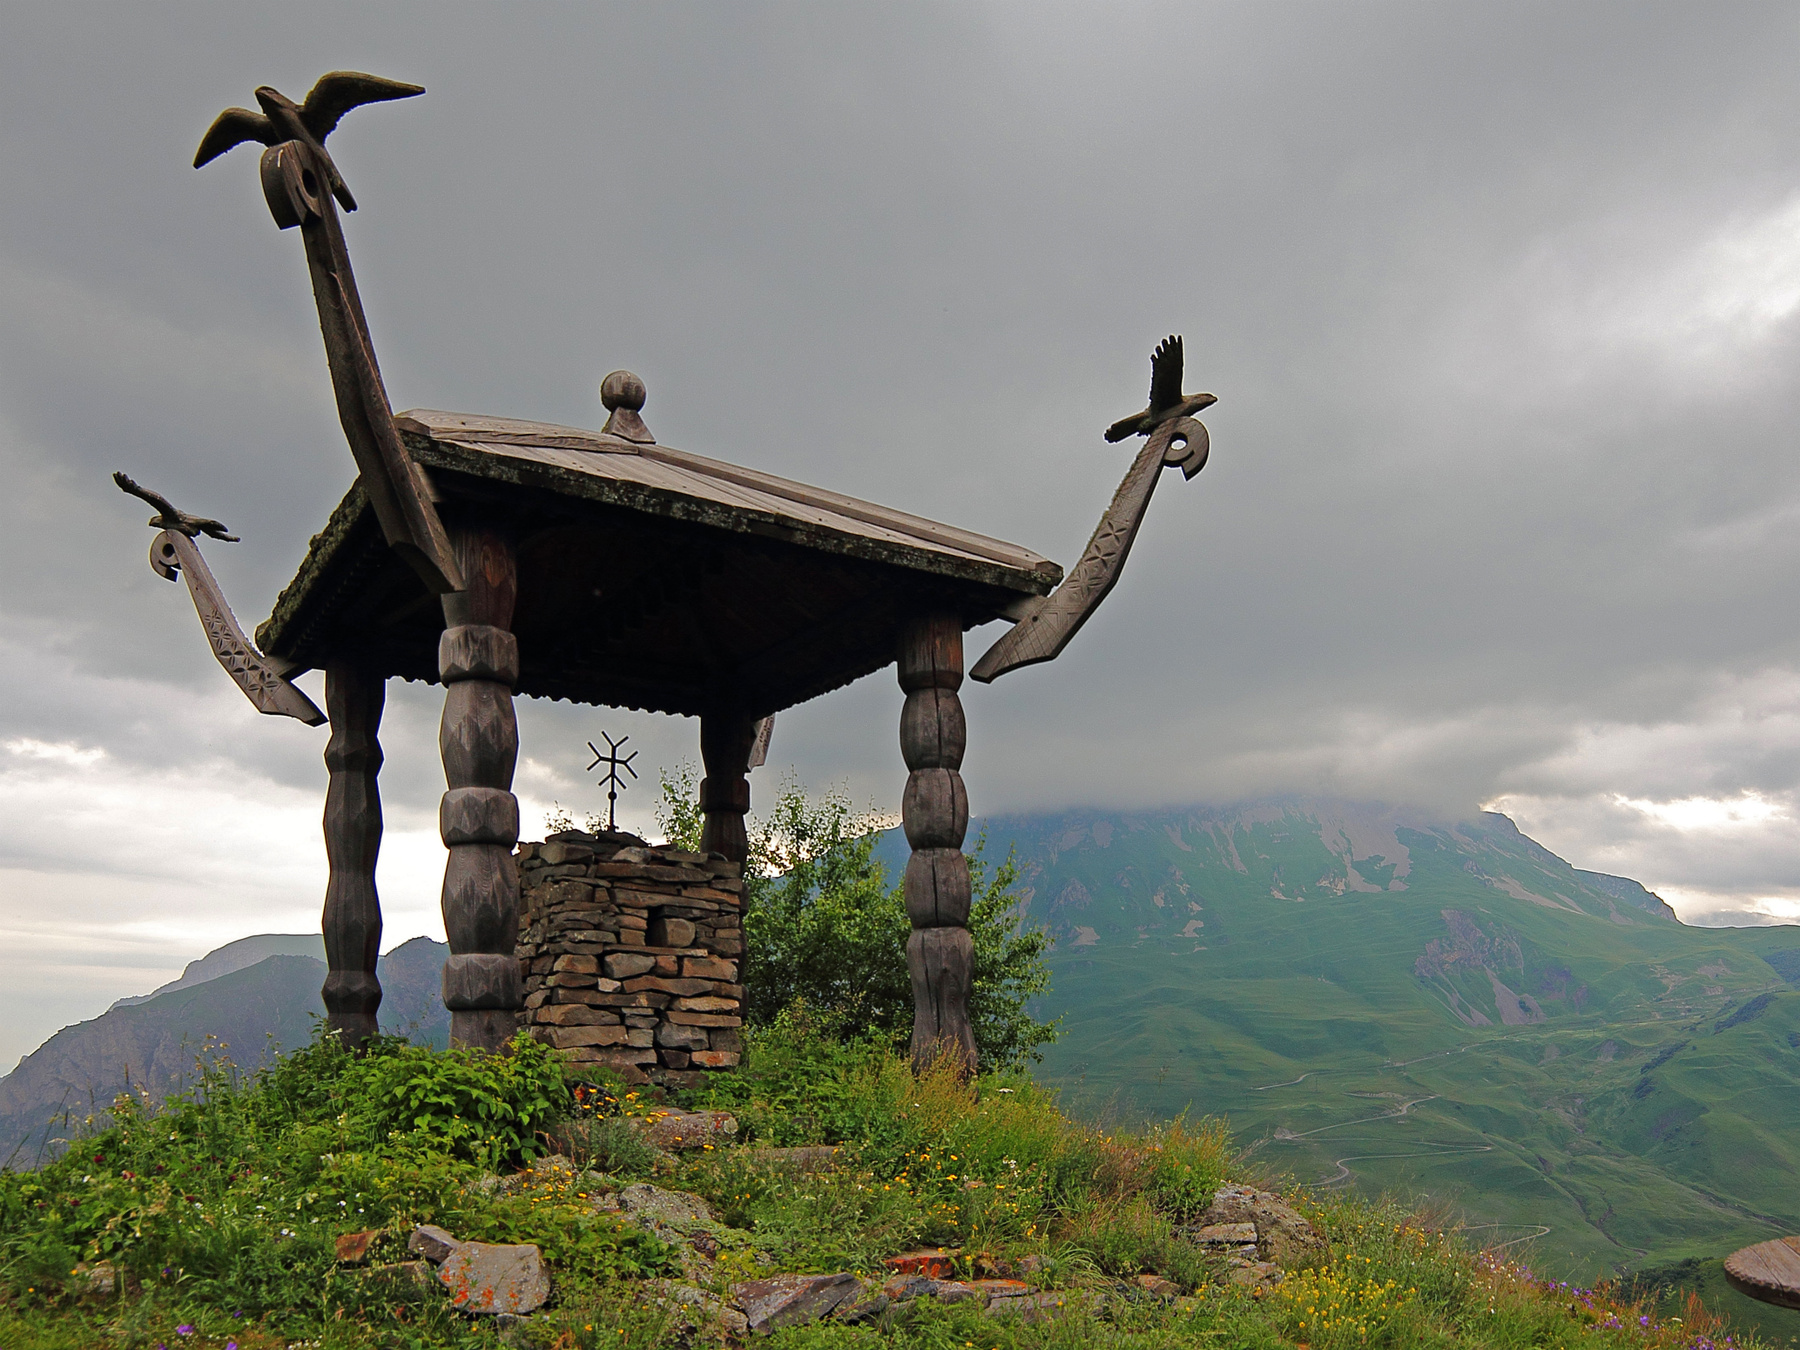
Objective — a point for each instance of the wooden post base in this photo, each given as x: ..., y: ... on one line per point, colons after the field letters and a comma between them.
x: 484, y: 1028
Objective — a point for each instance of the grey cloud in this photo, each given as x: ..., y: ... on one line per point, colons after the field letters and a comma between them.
x: 1491, y: 297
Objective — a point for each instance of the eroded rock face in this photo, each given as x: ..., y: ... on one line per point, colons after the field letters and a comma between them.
x: 1283, y: 1234
x: 486, y: 1277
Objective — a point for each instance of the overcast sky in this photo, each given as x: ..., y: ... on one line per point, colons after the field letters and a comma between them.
x: 1500, y: 303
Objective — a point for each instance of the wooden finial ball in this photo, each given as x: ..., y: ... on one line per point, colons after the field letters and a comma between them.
x: 622, y: 389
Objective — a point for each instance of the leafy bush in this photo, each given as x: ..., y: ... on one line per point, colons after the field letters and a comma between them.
x: 824, y: 928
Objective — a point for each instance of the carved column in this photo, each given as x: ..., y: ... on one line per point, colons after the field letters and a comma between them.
x: 935, y: 813
x: 478, y: 661
x: 352, y: 922
x: 725, y: 743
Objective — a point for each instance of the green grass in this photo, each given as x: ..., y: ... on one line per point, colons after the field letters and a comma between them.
x: 221, y: 1209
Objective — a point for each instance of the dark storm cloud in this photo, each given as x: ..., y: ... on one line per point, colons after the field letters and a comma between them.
x: 1499, y: 303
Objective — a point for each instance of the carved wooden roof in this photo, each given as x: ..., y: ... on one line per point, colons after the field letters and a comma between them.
x: 649, y: 577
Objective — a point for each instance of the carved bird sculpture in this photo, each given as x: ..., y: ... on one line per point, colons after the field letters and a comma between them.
x: 1167, y: 402
x: 168, y: 518
x: 281, y: 119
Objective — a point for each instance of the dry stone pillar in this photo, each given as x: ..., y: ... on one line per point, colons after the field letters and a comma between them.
x: 478, y: 661
x: 725, y: 743
x: 935, y: 813
x: 352, y: 922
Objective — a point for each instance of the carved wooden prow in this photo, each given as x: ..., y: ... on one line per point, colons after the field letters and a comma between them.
x: 262, y: 678
x: 302, y: 186
x: 1175, y: 440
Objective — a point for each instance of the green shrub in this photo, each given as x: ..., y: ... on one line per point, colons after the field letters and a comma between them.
x: 824, y: 927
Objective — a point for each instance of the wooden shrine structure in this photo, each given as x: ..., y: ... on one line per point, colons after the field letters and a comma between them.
x: 504, y: 557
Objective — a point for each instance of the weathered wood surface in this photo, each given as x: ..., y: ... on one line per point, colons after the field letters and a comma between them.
x: 934, y: 810
x: 352, y: 918
x: 1048, y: 628
x: 478, y: 818
x: 727, y: 741
x: 260, y: 678
x: 300, y: 182
x: 1769, y: 1271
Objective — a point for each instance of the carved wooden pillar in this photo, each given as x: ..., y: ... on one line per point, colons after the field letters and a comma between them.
x: 478, y: 661
x: 725, y: 742
x: 352, y: 922
x: 935, y: 813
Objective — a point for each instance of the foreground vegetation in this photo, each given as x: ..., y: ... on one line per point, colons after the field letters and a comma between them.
x: 220, y: 1207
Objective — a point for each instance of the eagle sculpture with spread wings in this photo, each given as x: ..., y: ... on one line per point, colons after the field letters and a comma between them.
x: 1167, y: 402
x: 281, y: 119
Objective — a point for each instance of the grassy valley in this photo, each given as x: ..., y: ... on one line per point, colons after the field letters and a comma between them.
x: 1381, y: 1001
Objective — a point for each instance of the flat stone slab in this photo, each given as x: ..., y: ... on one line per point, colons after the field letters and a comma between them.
x: 487, y: 1277
x: 689, y: 1129
x: 791, y: 1300
x: 1034, y: 1307
x: 1768, y: 1272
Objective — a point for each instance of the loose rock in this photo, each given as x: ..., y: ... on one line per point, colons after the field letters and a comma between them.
x: 790, y: 1300
x: 485, y: 1277
x: 432, y: 1243
x: 353, y: 1248
x: 934, y: 1264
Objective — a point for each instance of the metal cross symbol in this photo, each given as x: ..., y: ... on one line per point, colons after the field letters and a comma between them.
x: 612, y: 782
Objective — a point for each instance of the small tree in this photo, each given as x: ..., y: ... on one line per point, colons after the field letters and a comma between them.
x: 823, y: 927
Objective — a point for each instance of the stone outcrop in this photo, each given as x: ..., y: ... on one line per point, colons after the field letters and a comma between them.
x: 630, y: 955
x: 1241, y: 1214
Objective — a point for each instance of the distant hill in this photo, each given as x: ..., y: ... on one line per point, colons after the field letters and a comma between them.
x: 1376, y: 997
x: 252, y: 1009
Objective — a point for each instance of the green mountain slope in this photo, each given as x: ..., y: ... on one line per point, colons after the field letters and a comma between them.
x: 1452, y: 1011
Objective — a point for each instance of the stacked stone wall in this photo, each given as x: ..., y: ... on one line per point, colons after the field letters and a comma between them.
x: 630, y: 955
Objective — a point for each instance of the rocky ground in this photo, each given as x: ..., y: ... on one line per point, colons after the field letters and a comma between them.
x: 1253, y: 1235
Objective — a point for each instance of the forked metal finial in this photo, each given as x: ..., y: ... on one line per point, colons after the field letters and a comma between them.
x: 612, y: 782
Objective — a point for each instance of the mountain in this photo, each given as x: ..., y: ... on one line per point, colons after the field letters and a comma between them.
x: 235, y: 956
x: 249, y: 1010
x: 1373, y: 997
